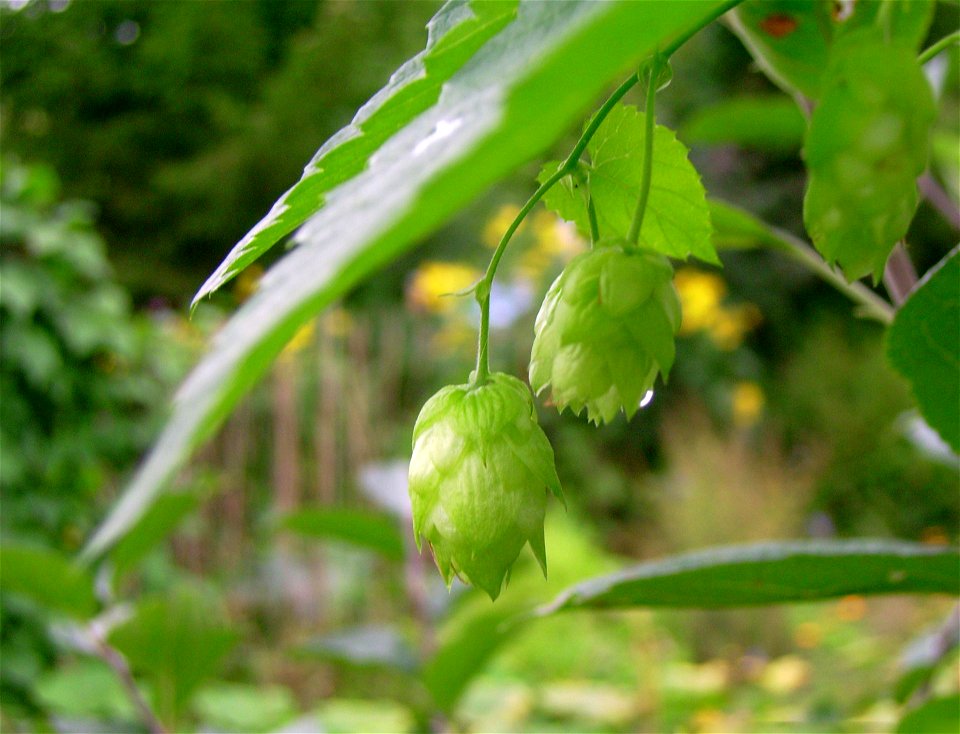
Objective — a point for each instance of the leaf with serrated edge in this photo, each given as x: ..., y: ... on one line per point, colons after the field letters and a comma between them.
x: 496, y: 112
x: 677, y: 220
x: 924, y: 346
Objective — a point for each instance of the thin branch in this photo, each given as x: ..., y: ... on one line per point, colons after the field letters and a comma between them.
x: 112, y: 657
x: 899, y: 276
x: 939, y: 199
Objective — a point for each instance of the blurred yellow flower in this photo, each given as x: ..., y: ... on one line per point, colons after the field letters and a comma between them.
x: 247, y: 283
x: 808, y: 635
x: 337, y: 322
x: 785, y: 674
x: 700, y: 297
x: 747, y: 403
x: 301, y: 339
x: 732, y: 324
x: 433, y: 282
x: 498, y: 223
x: 554, y: 240
x: 851, y: 608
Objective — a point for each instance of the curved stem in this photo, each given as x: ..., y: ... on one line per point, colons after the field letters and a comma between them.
x: 633, y: 236
x: 484, y: 286
x: 939, y: 46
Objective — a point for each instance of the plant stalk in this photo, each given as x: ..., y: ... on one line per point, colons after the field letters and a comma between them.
x: 936, y: 48
x: 633, y: 236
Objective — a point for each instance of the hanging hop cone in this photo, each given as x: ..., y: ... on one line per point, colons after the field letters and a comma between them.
x: 479, y: 473
x: 605, y: 329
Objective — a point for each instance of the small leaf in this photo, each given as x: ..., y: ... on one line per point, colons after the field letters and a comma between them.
x: 737, y: 229
x: 770, y: 573
x: 153, y: 528
x: 677, y: 221
x: 772, y: 123
x: 368, y: 530
x: 867, y: 144
x: 47, y: 578
x: 924, y: 346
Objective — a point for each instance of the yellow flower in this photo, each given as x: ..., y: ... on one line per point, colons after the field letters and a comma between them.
x: 498, y: 224
x: 700, y: 297
x: 433, y: 282
x: 732, y: 324
x: 554, y: 240
x: 301, y: 339
x: 747, y: 403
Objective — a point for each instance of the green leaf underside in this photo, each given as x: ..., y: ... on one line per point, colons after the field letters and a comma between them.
x: 924, y: 346
x: 791, y: 39
x: 867, y: 144
x: 496, y: 112
x: 362, y: 529
x: 677, y: 220
x: 47, y: 578
x: 771, y: 573
x: 455, y: 33
x: 772, y: 123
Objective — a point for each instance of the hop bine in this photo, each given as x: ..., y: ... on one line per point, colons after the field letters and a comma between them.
x: 479, y: 476
x: 605, y: 330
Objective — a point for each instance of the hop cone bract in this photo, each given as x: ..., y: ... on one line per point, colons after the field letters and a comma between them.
x: 605, y: 329
x: 479, y: 473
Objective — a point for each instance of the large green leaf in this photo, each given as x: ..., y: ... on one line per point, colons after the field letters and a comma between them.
x: 47, y: 578
x: 677, y: 220
x: 363, y: 529
x: 867, y: 144
x: 924, y: 345
x: 516, y: 95
x: 454, y: 35
x: 791, y: 39
x: 771, y: 573
x: 935, y: 716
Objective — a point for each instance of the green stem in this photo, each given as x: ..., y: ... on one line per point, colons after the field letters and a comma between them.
x: 484, y: 286
x: 939, y: 46
x: 633, y: 236
x: 873, y: 306
x: 592, y: 217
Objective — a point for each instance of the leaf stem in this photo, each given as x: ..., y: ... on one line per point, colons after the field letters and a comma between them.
x: 633, y: 236
x: 484, y: 287
x: 939, y: 46
x: 592, y: 217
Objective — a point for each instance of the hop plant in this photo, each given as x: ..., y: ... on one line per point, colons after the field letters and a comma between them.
x: 605, y: 329
x: 479, y: 473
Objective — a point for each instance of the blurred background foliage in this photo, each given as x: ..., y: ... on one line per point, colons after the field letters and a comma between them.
x: 141, y: 140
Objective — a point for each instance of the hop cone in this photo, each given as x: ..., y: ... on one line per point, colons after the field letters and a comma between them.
x: 605, y: 329
x: 479, y: 473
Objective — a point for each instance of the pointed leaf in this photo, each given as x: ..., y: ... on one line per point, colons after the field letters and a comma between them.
x: 48, y: 578
x: 360, y: 528
x: 924, y: 346
x: 514, y: 98
x: 771, y: 573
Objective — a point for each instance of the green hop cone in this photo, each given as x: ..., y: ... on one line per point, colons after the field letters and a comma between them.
x: 605, y: 329
x: 479, y: 473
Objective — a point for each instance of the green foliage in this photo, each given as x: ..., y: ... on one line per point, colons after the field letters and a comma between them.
x: 924, y: 345
x: 47, y: 578
x: 771, y: 573
x: 867, y: 144
x: 771, y: 123
x: 240, y: 707
x: 935, y: 716
x: 175, y: 642
x: 479, y: 476
x: 605, y: 331
x: 677, y: 222
x: 792, y: 39
x: 547, y: 47
x: 362, y: 529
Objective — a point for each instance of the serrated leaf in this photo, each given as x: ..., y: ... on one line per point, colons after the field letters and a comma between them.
x: 866, y: 145
x: 516, y: 96
x: 923, y: 344
x: 455, y: 33
x: 677, y: 220
x: 791, y: 39
x: 771, y: 573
